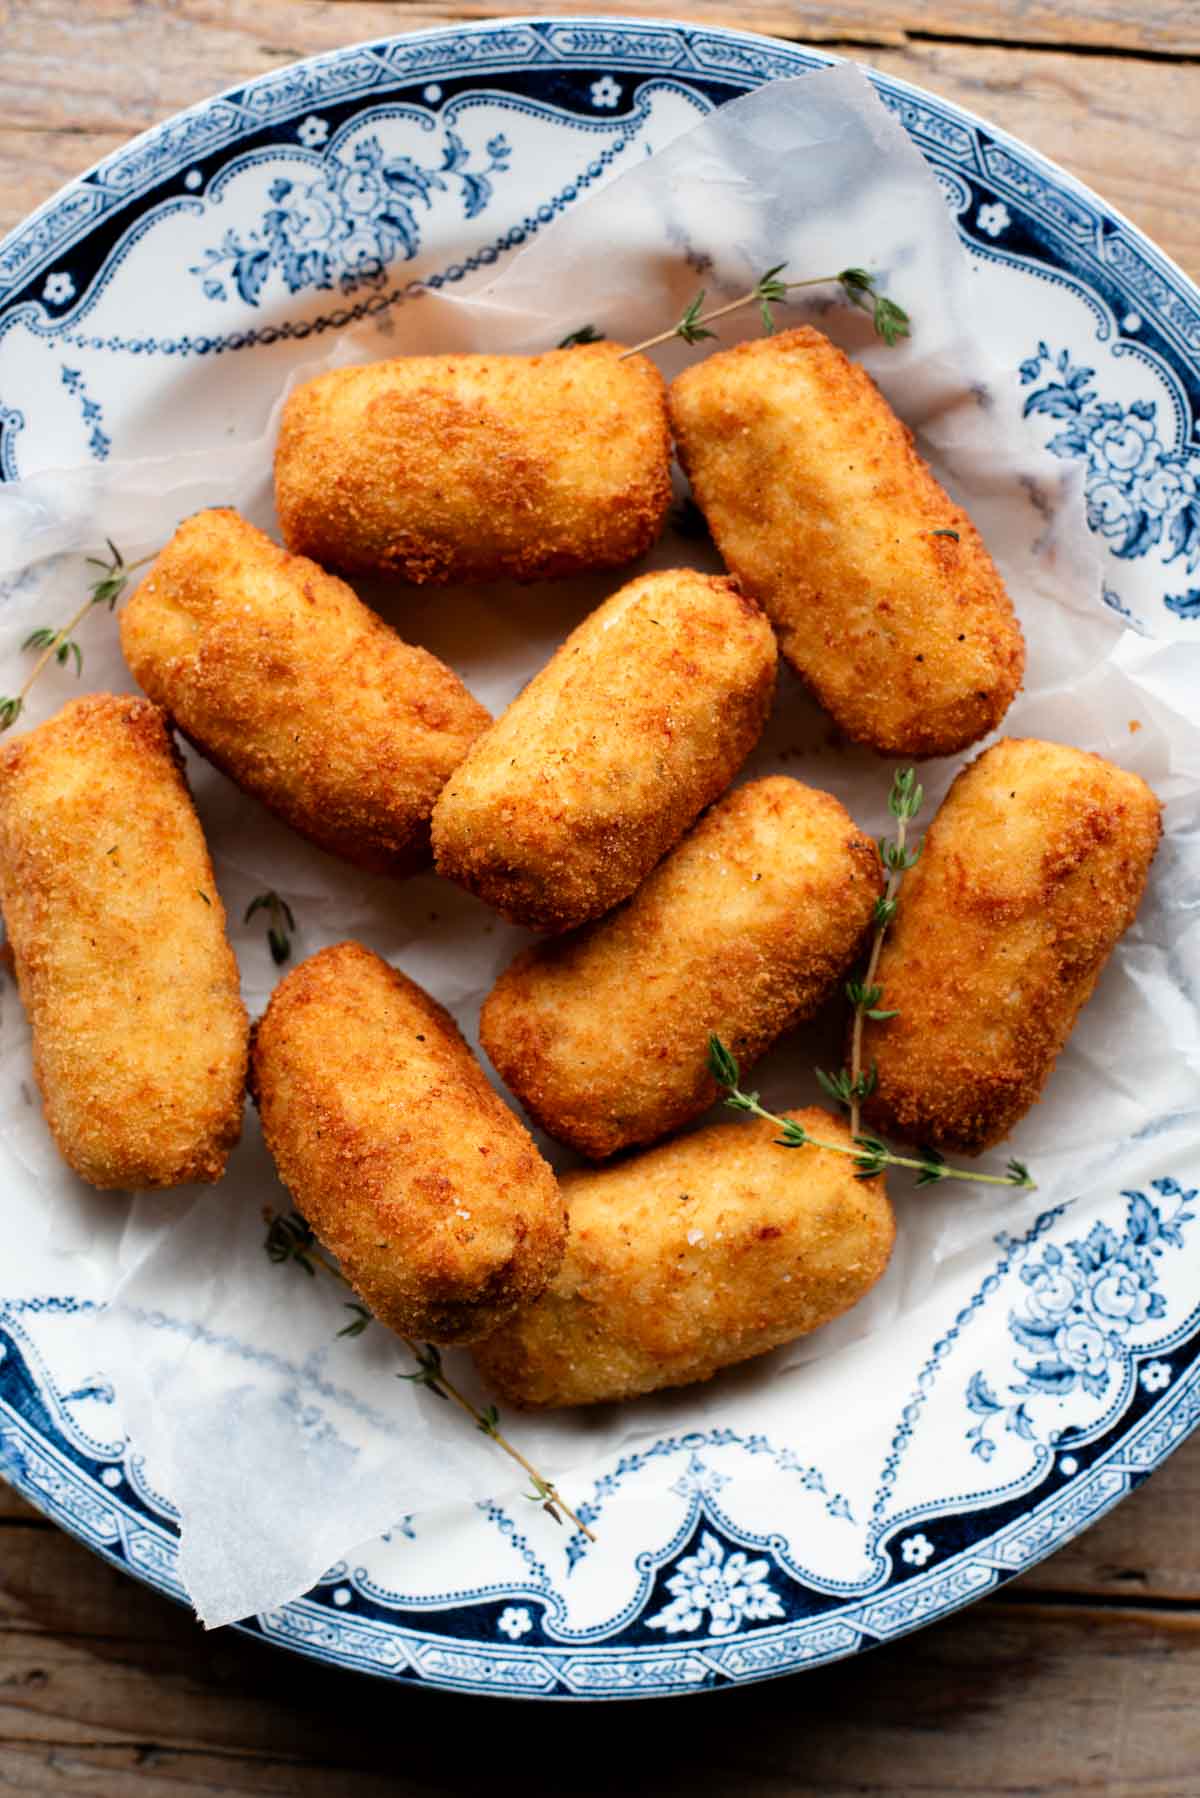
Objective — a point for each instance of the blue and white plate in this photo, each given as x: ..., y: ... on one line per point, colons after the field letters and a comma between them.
x: 282, y: 211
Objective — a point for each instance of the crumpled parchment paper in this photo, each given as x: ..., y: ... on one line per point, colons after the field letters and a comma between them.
x: 283, y: 1447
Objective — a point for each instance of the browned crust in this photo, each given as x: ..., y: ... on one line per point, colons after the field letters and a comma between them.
x: 284, y: 680
x: 475, y: 467
x: 885, y: 599
x: 691, y: 1257
x: 597, y: 768
x: 404, y: 1160
x: 117, y: 933
x: 1030, y: 873
x: 743, y: 930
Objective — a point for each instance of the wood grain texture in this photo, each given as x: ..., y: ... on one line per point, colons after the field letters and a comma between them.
x: 1080, y: 1678
x: 1122, y: 123
x: 1036, y: 1691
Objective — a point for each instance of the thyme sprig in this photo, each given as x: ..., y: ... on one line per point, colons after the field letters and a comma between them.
x: 852, y: 1086
x: 59, y: 644
x: 281, y: 924
x: 871, y: 1155
x: 290, y: 1238
x: 858, y: 286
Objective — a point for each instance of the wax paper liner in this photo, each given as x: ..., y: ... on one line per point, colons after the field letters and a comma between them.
x: 282, y: 1446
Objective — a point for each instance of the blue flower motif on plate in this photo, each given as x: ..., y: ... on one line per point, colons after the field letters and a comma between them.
x: 346, y: 225
x: 729, y: 1590
x: 99, y: 443
x: 515, y: 1622
x: 1139, y: 493
x: 994, y: 218
x: 1082, y: 1305
x: 278, y: 189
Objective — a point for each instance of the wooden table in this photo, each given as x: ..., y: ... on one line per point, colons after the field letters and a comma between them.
x: 1082, y: 1677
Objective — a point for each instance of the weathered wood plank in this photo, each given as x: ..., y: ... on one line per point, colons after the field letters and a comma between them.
x: 1043, y: 1700
x: 1148, y: 1549
x: 14, y: 1512
x: 1145, y: 27
x: 1120, y: 124
x: 1139, y: 27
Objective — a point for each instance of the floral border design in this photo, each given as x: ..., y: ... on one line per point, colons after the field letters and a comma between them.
x: 730, y: 1589
x: 130, y: 1527
x: 90, y: 410
x: 346, y: 225
x: 1083, y: 1302
x: 1139, y: 493
x: 77, y: 1487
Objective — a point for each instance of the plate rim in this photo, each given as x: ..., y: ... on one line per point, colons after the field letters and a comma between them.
x: 816, y: 57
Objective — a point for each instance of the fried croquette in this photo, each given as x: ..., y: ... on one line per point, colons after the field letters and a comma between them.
x: 477, y: 467
x: 117, y: 934
x: 886, y: 602
x: 743, y: 931
x: 404, y: 1160
x: 596, y: 769
x: 280, y: 676
x: 1029, y: 874
x: 691, y: 1257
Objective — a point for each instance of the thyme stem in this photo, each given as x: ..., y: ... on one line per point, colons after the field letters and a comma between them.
x: 491, y: 1428
x: 869, y: 1149
x: 851, y: 1085
x: 897, y: 867
x: 702, y: 318
x: 857, y: 284
x: 59, y: 637
x: 295, y: 1241
x: 104, y: 592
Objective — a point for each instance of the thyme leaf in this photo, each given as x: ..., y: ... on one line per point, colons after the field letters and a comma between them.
x: 59, y: 645
x: 585, y: 334
x: 281, y: 924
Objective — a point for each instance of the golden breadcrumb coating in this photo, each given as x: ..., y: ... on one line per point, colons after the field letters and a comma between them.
x: 1031, y: 871
x: 743, y: 930
x: 117, y: 934
x: 886, y: 602
x: 404, y: 1160
x: 477, y: 468
x: 280, y: 675
x: 693, y: 1256
x: 597, y: 768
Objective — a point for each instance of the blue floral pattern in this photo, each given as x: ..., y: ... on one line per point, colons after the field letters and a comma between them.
x: 1139, y: 493
x: 99, y: 442
x: 346, y: 225
x: 1083, y: 1304
x: 514, y: 1621
x: 729, y: 1589
x: 945, y: 1546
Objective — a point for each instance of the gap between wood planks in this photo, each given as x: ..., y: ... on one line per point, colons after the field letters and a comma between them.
x: 1166, y: 31
x: 952, y: 40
